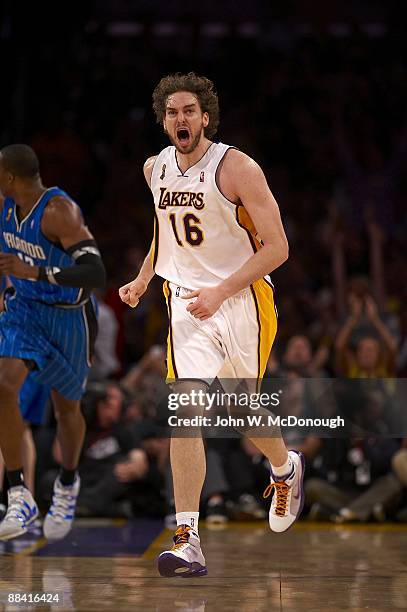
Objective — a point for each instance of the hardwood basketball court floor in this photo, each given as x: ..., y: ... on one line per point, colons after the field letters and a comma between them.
x: 110, y: 565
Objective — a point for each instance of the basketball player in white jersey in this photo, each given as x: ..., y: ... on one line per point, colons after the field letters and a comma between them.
x: 218, y: 234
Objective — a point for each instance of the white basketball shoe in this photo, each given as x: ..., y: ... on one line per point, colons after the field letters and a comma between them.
x: 61, y: 514
x: 185, y: 558
x: 288, y: 498
x: 21, y: 512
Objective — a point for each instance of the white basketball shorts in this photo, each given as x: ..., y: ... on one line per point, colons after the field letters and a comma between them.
x: 234, y: 343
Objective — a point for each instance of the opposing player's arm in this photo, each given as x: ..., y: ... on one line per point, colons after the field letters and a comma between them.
x: 131, y: 292
x: 63, y: 223
x: 246, y: 183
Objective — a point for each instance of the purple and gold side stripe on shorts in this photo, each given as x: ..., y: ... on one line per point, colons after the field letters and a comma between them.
x: 263, y: 297
x: 171, y: 367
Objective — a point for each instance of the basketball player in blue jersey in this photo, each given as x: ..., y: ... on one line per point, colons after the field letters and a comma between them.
x: 217, y: 235
x: 47, y: 329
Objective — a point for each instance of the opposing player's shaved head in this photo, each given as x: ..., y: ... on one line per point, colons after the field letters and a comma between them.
x: 20, y: 160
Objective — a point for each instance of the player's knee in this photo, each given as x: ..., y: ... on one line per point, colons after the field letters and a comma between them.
x: 187, y: 398
x: 249, y: 422
x: 188, y: 386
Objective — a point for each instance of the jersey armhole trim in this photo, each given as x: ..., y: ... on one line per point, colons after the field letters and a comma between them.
x: 236, y: 205
x: 152, y: 170
x: 156, y: 237
x: 216, y: 177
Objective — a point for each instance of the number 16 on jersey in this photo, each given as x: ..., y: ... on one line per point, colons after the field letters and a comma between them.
x: 193, y: 233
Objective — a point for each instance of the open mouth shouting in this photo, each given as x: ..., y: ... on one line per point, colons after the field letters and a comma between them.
x: 183, y: 137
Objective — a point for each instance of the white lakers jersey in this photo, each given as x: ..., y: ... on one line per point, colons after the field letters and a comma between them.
x: 200, y: 237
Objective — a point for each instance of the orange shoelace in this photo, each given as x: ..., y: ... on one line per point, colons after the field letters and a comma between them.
x: 181, y: 536
x: 281, y: 491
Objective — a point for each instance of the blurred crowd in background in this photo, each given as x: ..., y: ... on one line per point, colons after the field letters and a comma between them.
x: 324, y: 114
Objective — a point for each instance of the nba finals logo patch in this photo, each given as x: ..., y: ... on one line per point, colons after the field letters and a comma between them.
x: 202, y: 177
x: 163, y: 171
x: 10, y: 210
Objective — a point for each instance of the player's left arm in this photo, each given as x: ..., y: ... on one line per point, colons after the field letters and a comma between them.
x: 251, y: 189
x: 63, y: 223
x: 247, y: 184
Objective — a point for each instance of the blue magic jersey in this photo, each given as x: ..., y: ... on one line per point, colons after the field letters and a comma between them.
x: 25, y: 239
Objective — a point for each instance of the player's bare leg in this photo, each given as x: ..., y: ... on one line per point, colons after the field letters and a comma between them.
x: 12, y: 375
x: 70, y: 433
x: 188, y: 464
x: 22, y: 509
x: 29, y: 457
x: 187, y: 488
x: 273, y: 448
x: 70, y: 429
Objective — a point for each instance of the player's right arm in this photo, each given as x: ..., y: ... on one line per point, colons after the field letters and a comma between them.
x: 131, y: 293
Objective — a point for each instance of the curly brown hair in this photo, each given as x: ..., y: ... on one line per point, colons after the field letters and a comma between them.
x: 202, y: 87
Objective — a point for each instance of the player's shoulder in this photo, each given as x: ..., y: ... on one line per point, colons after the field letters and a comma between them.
x: 61, y: 211
x: 149, y: 164
x: 2, y: 200
x: 61, y: 204
x: 238, y: 163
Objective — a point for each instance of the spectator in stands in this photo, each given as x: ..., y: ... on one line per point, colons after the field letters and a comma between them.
x: 111, y: 466
x: 298, y: 358
x: 356, y: 482
x: 374, y: 355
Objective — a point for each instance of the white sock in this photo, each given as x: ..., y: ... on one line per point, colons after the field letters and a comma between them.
x: 188, y: 518
x: 282, y: 470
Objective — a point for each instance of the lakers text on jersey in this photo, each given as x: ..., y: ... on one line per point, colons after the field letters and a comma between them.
x: 200, y: 237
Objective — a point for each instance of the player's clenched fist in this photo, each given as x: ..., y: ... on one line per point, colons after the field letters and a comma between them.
x: 131, y: 293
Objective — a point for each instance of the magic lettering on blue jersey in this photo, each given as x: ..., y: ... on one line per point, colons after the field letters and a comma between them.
x: 25, y: 239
